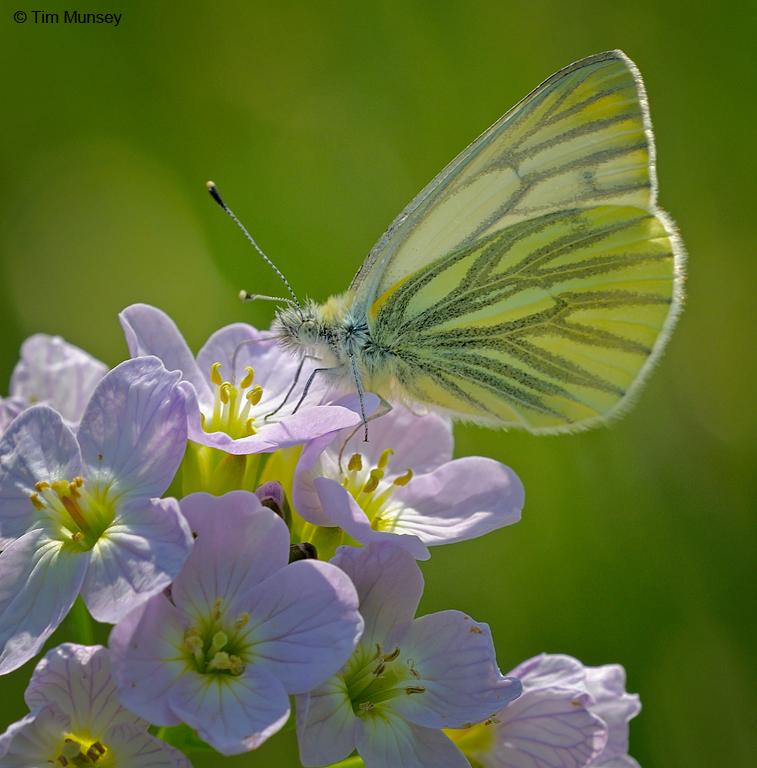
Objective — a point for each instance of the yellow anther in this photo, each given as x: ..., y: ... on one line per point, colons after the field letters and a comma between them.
x: 78, y: 481
x: 35, y: 499
x: 372, y: 483
x: 95, y: 751
x: 255, y: 394
x: 384, y: 458
x: 393, y: 655
x: 77, y: 537
x: 355, y: 463
x: 215, y: 374
x: 60, y: 487
x: 217, y: 604
x: 236, y: 665
x: 404, y: 479
x: 42, y: 485
x: 379, y: 669
x: 225, y: 391
x: 241, y: 620
x: 73, y: 489
x: 248, y: 377
x: 414, y: 689
x: 219, y: 641
x: 248, y: 425
x: 220, y: 661
x: 367, y: 706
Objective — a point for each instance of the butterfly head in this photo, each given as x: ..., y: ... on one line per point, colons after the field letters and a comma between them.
x: 298, y: 326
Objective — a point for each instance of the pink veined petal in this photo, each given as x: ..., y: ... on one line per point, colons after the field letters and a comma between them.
x: 238, y: 345
x: 77, y: 680
x: 148, y: 659
x: 293, y: 429
x: 233, y: 714
x: 150, y: 331
x: 461, y: 500
x: 455, y: 662
x: 57, y: 373
x: 423, y: 442
x: 134, y: 747
x: 607, y: 686
x: 325, y: 724
x: 134, y: 431
x: 36, y: 446
x: 304, y: 623
x: 388, y: 740
x: 546, y: 728
x: 345, y: 512
x: 40, y: 580
x: 389, y: 585
x: 239, y: 544
x: 551, y: 670
x: 10, y: 407
x: 30, y: 742
x: 139, y: 555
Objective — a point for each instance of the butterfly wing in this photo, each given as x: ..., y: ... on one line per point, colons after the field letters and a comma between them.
x: 534, y: 281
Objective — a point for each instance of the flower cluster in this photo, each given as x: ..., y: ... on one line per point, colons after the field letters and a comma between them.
x: 248, y: 550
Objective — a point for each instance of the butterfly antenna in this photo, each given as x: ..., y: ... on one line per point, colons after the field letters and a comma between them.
x: 216, y: 195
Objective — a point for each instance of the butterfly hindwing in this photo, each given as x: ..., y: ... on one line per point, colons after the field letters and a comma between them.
x: 534, y: 280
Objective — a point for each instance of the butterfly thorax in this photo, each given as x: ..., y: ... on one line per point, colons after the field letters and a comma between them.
x: 333, y: 333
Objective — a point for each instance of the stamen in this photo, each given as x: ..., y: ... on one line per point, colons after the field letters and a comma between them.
x: 248, y: 378
x: 215, y: 374
x: 38, y: 503
x: 224, y: 392
x: 379, y: 669
x: 414, y: 689
x: 220, y: 662
x: 404, y: 479
x: 95, y: 751
x: 248, y: 426
x: 41, y: 485
x: 217, y: 604
x: 393, y: 655
x: 383, y: 461
x: 241, y: 620
x: 220, y: 639
x: 356, y: 463
x: 373, y: 480
x: 255, y: 394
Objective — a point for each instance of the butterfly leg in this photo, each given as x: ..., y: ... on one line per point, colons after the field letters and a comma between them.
x: 291, y: 389
x: 360, y: 394
x: 308, y: 383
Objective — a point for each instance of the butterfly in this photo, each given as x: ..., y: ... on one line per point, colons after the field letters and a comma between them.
x: 533, y: 283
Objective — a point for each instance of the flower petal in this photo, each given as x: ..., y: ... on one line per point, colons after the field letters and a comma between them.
x: 607, y: 686
x: 388, y: 740
x: 422, y: 442
x: 304, y: 623
x: 37, y: 446
x: 546, y: 728
x: 134, y: 431
x: 326, y: 723
x: 239, y: 544
x: 294, y: 429
x: 234, y: 714
x: 461, y: 500
x: 345, y: 512
x: 150, y: 331
x: 57, y: 373
x: 10, y: 407
x: 139, y: 555
x: 238, y: 345
x: 41, y: 578
x: 148, y: 659
x: 389, y: 585
x: 76, y: 679
x: 551, y: 670
x: 30, y: 742
x: 455, y: 663
x: 133, y: 747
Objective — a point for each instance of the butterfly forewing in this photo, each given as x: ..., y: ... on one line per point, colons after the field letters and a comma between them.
x: 530, y: 284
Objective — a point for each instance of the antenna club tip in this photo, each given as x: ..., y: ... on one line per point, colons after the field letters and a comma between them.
x: 210, y: 185
x: 244, y: 295
x: 215, y: 194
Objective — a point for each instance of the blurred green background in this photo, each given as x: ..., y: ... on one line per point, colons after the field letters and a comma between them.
x: 319, y: 121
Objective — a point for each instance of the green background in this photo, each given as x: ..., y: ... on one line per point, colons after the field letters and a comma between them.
x: 319, y: 121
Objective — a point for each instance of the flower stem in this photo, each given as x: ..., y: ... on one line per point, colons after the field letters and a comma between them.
x: 81, y: 623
